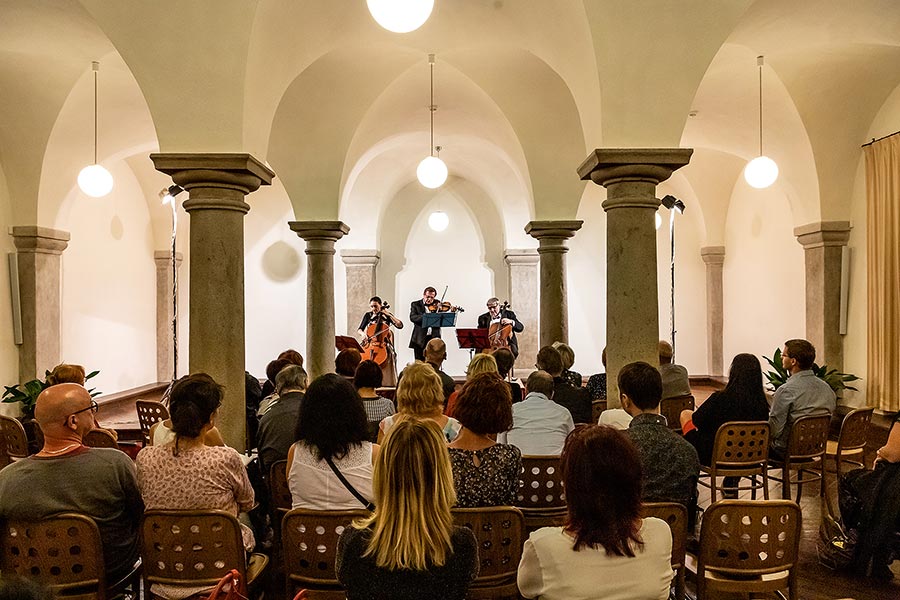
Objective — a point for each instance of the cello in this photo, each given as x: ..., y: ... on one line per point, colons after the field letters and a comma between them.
x: 379, y: 341
x: 498, y: 333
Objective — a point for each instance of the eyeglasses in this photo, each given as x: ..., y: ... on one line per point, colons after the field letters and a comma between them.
x: 93, y: 407
x: 492, y: 306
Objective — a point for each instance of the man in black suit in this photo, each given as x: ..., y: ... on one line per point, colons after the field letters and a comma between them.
x: 505, y: 317
x: 422, y: 335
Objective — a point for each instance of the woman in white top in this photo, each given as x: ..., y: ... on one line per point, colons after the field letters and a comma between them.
x: 420, y: 394
x: 605, y: 550
x: 331, y: 428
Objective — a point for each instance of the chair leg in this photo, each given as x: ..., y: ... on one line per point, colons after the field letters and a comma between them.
x: 785, y: 481
x: 822, y: 472
x: 765, y: 477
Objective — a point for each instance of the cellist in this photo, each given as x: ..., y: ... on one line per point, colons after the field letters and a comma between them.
x: 377, y: 339
x: 502, y: 317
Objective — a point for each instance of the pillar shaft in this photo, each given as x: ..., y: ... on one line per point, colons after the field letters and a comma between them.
x: 38, y: 251
x: 552, y: 249
x: 630, y: 176
x: 165, y: 313
x: 217, y: 185
x: 361, y: 283
x: 320, y: 237
x: 523, y: 296
x: 823, y: 244
x: 714, y: 257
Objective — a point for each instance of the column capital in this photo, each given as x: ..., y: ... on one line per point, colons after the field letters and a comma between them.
x: 521, y: 256
x: 165, y: 257
x: 40, y: 240
x: 713, y: 255
x: 356, y: 256
x: 552, y: 235
x: 823, y: 233
x: 605, y: 166
x: 320, y: 236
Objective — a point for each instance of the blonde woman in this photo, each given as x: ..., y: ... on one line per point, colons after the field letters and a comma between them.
x: 480, y: 363
x: 409, y: 547
x: 568, y: 359
x: 420, y: 395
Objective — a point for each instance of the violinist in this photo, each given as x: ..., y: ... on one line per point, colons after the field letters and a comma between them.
x: 505, y: 323
x: 422, y: 335
x: 377, y: 339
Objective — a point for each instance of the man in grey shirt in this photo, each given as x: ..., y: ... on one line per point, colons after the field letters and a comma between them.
x: 802, y: 394
x: 540, y: 425
x: 675, y: 380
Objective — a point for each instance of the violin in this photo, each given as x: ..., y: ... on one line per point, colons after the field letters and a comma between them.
x: 379, y: 338
x: 498, y: 333
x: 436, y: 306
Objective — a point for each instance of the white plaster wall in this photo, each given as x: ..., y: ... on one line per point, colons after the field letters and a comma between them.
x: 108, y: 285
x: 763, y: 274
x: 9, y: 353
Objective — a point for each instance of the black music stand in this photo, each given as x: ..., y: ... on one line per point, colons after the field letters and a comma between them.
x: 472, y: 340
x: 439, y: 319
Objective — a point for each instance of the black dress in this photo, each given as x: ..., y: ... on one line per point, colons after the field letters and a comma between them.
x: 720, y: 408
x: 494, y: 482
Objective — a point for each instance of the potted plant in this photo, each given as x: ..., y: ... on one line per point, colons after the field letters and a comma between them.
x: 28, y: 392
x: 836, y: 380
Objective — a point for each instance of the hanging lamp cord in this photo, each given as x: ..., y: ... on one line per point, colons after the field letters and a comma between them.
x: 96, y: 67
x: 431, y: 107
x: 760, y: 65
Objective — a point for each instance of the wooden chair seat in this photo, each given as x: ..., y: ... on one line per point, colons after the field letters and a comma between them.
x: 805, y: 454
x: 741, y: 449
x: 100, y: 438
x: 852, y: 439
x: 13, y: 441
x: 500, y: 532
x: 149, y: 412
x: 676, y: 516
x: 671, y: 409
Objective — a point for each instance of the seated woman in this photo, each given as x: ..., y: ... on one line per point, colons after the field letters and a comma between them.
x: 743, y: 399
x: 331, y: 439
x: 505, y: 361
x: 480, y: 363
x: 409, y: 548
x: 368, y: 377
x: 420, y: 395
x: 596, y: 385
x: 605, y: 549
x: 485, y: 473
x: 568, y: 360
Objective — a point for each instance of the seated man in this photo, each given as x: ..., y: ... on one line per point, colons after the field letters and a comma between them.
x: 540, y: 426
x: 435, y: 355
x: 802, y: 394
x: 276, y: 427
x: 671, y: 465
x: 575, y: 399
x: 66, y: 476
x: 675, y: 380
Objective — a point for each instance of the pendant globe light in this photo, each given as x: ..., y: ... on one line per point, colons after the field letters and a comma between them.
x: 400, y: 16
x: 761, y: 172
x: 94, y: 180
x: 432, y: 172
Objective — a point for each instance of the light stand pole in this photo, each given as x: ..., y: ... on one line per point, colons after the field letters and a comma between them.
x: 673, y: 204
x: 168, y: 195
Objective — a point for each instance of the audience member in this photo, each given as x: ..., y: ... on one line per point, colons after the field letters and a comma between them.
x: 66, y: 373
x: 605, y: 549
x: 435, y: 355
x: 568, y: 360
x: 617, y: 418
x: 505, y: 361
x: 575, y: 399
x: 292, y: 356
x: 485, y: 473
x: 670, y: 464
x: 331, y: 439
x: 268, y: 392
x: 675, y: 380
x: 596, y: 385
x: 369, y: 377
x: 66, y: 476
x: 419, y: 395
x: 540, y: 426
x: 480, y: 363
x: 346, y: 362
x: 802, y: 394
x: 409, y: 548
x: 276, y: 427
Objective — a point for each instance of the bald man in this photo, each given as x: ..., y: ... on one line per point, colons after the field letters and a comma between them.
x: 435, y: 355
x: 66, y: 476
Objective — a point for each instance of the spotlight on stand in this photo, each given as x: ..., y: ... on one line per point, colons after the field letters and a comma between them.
x: 167, y: 195
x: 671, y: 202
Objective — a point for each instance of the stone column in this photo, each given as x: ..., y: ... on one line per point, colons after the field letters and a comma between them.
x: 630, y: 176
x: 320, y: 237
x: 38, y: 252
x: 217, y: 185
x: 165, y: 314
x: 714, y: 257
x: 552, y: 248
x: 523, y: 296
x: 823, y: 243
x: 361, y: 283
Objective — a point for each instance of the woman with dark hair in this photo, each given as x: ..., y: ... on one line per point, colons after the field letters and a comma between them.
x: 330, y: 465
x: 369, y: 377
x: 485, y: 473
x: 505, y: 361
x: 605, y: 549
x: 743, y: 399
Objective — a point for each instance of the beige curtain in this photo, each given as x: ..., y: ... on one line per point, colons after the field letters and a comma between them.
x: 883, y: 270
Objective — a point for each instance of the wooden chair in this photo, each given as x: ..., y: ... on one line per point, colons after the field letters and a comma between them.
x: 851, y: 440
x: 280, y: 500
x: 676, y: 515
x: 100, y: 438
x: 597, y: 407
x: 741, y: 449
x: 13, y: 441
x: 64, y: 552
x: 805, y: 453
x: 749, y: 547
x: 500, y: 531
x: 149, y: 412
x: 671, y: 409
x: 309, y: 540
x: 195, y: 548
x: 541, y: 497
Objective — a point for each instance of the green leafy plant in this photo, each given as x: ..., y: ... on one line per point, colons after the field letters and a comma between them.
x: 836, y: 380
x: 27, y: 393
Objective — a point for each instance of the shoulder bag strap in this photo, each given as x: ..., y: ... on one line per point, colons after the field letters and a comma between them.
x: 350, y: 488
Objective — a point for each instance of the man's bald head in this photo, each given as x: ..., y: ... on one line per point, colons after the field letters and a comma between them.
x: 57, y: 402
x: 435, y: 351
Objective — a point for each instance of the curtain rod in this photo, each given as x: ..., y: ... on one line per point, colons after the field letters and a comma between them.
x: 884, y: 137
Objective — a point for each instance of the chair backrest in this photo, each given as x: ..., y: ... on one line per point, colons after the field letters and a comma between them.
x: 855, y: 429
x: 279, y: 491
x: 149, y: 412
x: 676, y: 515
x: 13, y: 438
x: 741, y: 443
x: 751, y: 537
x: 500, y: 531
x: 64, y: 552
x: 309, y: 539
x: 100, y: 438
x: 671, y: 409
x: 191, y: 547
x: 597, y: 407
x: 809, y: 437
x: 540, y: 483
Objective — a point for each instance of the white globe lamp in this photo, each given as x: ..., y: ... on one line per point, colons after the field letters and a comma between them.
x: 431, y: 172
x: 95, y: 181
x: 438, y: 220
x: 400, y: 16
x: 761, y: 172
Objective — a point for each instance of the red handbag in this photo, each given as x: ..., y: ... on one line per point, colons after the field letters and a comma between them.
x: 230, y: 587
